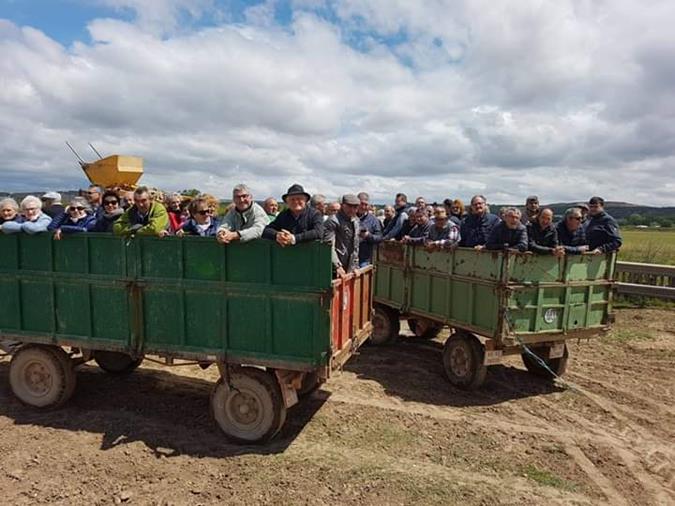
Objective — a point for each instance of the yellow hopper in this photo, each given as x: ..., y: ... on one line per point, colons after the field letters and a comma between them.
x: 114, y: 171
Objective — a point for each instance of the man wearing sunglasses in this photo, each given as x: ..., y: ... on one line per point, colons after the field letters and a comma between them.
x: 245, y: 221
x: 602, y: 231
x: 145, y: 217
x: 571, y: 232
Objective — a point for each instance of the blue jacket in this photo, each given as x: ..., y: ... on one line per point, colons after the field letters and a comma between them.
x: 475, y: 230
x: 503, y: 237
x: 190, y: 227
x: 602, y: 231
x: 68, y: 226
x: 374, y: 228
x: 571, y: 240
x: 395, y: 226
x: 36, y: 226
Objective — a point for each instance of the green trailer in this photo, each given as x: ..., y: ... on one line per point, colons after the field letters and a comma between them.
x: 272, y: 319
x: 496, y: 303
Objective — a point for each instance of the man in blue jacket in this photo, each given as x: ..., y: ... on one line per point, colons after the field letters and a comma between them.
x: 602, y: 231
x: 508, y: 234
x: 476, y: 227
x: 370, y: 232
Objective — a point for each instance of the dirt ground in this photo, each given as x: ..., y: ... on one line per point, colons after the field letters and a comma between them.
x: 388, y: 430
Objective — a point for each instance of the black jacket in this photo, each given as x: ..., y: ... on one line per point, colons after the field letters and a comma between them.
x: 541, y: 241
x: 602, y: 231
x: 475, y: 230
x: 503, y: 237
x: 308, y: 226
x: 571, y: 240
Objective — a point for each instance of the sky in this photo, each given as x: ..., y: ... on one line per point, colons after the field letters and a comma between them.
x: 564, y: 99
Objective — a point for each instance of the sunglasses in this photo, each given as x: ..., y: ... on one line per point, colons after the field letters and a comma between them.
x: 110, y: 202
x: 77, y: 208
x: 204, y: 212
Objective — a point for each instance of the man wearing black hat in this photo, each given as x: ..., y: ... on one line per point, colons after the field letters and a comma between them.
x: 343, y: 231
x: 298, y: 223
x: 602, y: 231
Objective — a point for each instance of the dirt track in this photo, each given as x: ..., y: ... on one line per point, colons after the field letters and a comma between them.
x: 388, y: 430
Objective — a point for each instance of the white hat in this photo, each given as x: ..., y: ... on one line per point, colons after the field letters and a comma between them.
x: 52, y: 196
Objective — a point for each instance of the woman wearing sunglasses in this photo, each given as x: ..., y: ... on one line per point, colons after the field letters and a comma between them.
x: 201, y: 222
x: 111, y: 211
x: 75, y: 219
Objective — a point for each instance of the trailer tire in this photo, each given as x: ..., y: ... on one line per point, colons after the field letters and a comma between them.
x: 463, y: 356
x: 386, y: 325
x: 68, y: 367
x: 115, y: 362
x: 557, y: 365
x: 40, y: 377
x: 424, y: 328
x: 310, y: 382
x: 251, y: 408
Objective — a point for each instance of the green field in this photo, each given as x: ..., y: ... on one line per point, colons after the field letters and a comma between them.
x: 652, y: 246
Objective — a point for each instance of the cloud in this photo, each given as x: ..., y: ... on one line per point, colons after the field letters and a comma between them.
x: 434, y: 98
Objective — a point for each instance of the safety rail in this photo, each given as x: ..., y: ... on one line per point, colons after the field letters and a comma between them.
x: 647, y: 280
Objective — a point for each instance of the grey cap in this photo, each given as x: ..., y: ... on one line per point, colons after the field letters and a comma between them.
x: 350, y: 199
x: 52, y: 196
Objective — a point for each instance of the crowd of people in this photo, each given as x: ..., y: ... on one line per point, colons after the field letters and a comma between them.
x: 353, y: 225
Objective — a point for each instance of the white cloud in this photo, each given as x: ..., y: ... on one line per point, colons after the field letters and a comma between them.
x: 442, y: 99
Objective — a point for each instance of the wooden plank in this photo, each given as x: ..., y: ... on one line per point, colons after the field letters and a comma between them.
x: 661, y: 292
x: 639, y: 268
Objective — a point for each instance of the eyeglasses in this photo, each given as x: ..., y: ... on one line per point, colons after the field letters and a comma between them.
x: 242, y: 196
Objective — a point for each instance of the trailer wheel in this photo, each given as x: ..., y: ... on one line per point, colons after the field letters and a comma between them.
x: 115, y: 362
x: 463, y: 356
x: 557, y: 365
x: 310, y: 382
x: 386, y: 324
x: 424, y: 328
x: 68, y: 367
x: 40, y: 377
x: 250, y: 409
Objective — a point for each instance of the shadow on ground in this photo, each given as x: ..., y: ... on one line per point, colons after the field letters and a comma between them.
x: 167, y: 412
x: 412, y: 370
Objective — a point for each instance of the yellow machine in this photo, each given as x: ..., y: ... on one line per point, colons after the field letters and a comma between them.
x: 116, y: 171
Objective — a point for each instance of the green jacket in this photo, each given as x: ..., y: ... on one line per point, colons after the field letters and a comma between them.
x: 131, y: 222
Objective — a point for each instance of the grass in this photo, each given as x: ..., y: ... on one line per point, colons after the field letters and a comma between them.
x: 626, y: 335
x: 650, y: 246
x: 546, y: 478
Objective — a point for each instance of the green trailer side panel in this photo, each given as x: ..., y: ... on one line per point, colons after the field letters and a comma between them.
x: 496, y: 294
x: 169, y: 295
